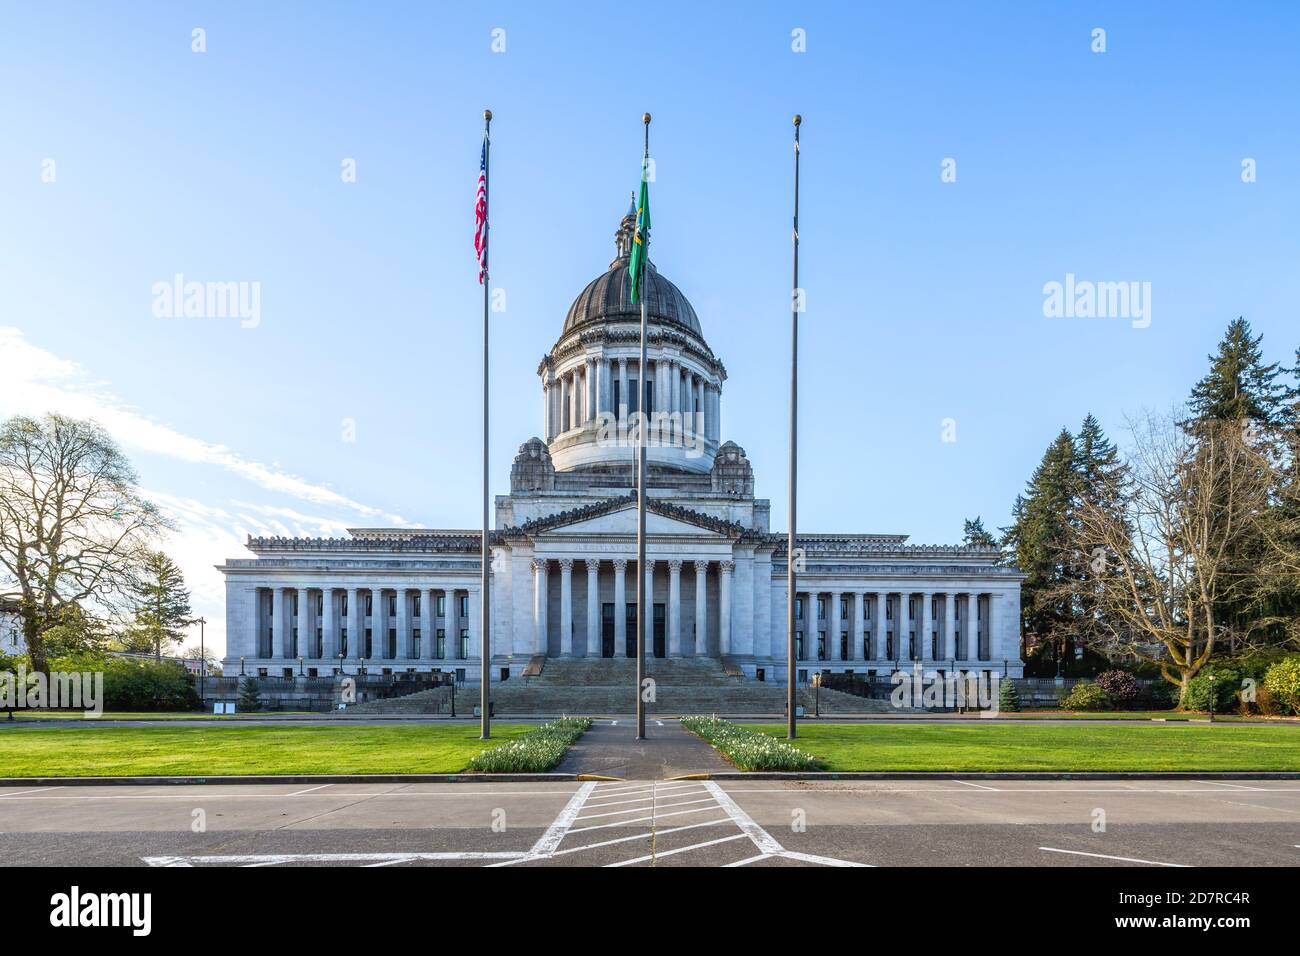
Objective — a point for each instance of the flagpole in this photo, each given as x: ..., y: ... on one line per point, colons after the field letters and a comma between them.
x: 790, y: 553
x: 643, y: 583
x: 485, y: 595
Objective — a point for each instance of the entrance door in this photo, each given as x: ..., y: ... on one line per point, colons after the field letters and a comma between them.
x: 631, y: 631
x: 660, y: 620
x: 607, y: 630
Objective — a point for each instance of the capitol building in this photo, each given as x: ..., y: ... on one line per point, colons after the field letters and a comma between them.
x: 564, y: 576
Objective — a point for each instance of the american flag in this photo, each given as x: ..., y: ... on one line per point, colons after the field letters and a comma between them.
x: 480, y: 215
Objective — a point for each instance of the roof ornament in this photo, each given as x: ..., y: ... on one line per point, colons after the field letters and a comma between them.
x: 623, y: 238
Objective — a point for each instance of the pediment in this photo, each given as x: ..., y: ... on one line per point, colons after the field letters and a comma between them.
x: 622, y: 523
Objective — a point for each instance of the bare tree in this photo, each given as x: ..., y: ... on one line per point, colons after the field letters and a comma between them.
x: 73, y: 526
x: 1189, y: 496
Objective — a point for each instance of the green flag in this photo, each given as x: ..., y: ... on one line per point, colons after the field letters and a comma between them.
x: 641, y: 237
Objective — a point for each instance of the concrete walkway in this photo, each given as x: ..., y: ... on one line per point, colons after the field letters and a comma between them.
x: 610, y: 748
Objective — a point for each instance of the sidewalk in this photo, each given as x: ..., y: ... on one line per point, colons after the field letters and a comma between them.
x: 609, y: 748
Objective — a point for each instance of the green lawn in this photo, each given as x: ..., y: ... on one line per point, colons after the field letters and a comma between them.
x: 1032, y: 746
x: 91, y: 751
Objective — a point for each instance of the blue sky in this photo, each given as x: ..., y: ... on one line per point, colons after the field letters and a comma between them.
x: 925, y: 298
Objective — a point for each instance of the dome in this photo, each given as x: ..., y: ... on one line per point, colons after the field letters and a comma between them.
x: 609, y: 297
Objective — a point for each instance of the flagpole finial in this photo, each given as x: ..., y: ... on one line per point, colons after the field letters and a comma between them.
x: 487, y: 115
x: 645, y: 118
x: 797, y: 119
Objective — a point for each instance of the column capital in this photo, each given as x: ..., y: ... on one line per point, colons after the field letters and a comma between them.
x: 701, y: 566
x: 539, y: 564
x: 727, y: 566
x: 620, y: 564
x: 566, y: 565
x: 675, y: 565
x: 593, y: 565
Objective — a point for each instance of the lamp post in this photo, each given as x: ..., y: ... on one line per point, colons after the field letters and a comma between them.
x: 1211, y: 677
x: 817, y: 694
x: 241, y: 666
x: 342, y: 658
x: 300, y: 673
x: 203, y: 662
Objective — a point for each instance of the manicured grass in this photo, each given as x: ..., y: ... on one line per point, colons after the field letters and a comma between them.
x: 90, y: 751
x: 154, y: 715
x: 1033, y: 746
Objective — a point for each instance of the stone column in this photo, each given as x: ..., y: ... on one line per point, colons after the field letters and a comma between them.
x: 566, y: 607
x: 620, y: 607
x: 675, y: 608
x: 327, y: 626
x: 475, y: 626
x: 702, y: 419
x: 430, y: 624
x: 403, y: 648
x: 855, y: 632
x: 726, y: 569
x: 589, y: 379
x: 624, y: 405
x: 688, y: 411
x: 833, y: 627
x: 701, y: 608
x: 882, y: 602
x: 539, y: 605
x: 451, y: 623
x: 925, y: 625
x: 378, y: 625
x: 593, y: 607
x: 973, y: 609
x: 648, y: 581
x: 306, y: 637
x: 949, y: 628
x: 355, y: 621
x: 564, y: 409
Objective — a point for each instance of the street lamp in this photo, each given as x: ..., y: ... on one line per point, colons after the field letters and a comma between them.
x: 203, y: 662
x: 817, y: 694
x: 300, y: 673
x: 1211, y: 676
x: 241, y: 666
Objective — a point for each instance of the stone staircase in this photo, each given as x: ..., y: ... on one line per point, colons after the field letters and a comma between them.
x: 604, y: 687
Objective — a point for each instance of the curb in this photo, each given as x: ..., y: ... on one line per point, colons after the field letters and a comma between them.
x: 290, y: 778
x: 991, y: 775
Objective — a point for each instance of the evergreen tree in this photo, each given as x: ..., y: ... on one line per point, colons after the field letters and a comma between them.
x: 1239, y: 385
x: 1099, y: 481
x: 250, y: 695
x: 975, y: 536
x: 1040, y: 543
x: 1008, y: 695
x: 160, y: 605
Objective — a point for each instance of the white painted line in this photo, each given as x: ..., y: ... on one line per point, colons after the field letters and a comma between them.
x: 823, y: 860
x: 624, y: 823
x: 1234, y: 786
x: 1103, y: 856
x: 6, y: 796
x: 640, y: 836
x: 749, y: 860
x: 254, y: 859
x: 549, y: 840
x: 309, y: 790
x: 977, y: 786
x: 760, y: 837
x: 615, y: 813
x: 680, y: 849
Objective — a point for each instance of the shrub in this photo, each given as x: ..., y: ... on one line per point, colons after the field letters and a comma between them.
x: 1282, y: 684
x: 1088, y: 697
x: 250, y: 695
x: 1225, y: 687
x: 1008, y: 696
x: 748, y: 749
x: 1120, y: 685
x: 535, y: 752
x: 1163, y: 695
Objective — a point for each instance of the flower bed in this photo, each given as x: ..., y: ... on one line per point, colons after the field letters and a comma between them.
x: 536, y: 751
x: 747, y: 749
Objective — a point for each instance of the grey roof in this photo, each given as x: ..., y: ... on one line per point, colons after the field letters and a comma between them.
x: 610, y: 297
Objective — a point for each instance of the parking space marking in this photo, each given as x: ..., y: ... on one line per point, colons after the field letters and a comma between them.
x: 1103, y: 856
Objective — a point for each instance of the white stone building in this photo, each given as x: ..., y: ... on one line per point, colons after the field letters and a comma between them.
x: 12, y: 641
x: 564, y: 575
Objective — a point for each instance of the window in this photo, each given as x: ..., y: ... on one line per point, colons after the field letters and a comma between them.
x: 293, y: 601
x: 392, y: 642
x: 392, y: 605
x: 370, y: 643
x: 934, y: 607
x: 464, y: 642
x: 889, y: 611
x: 798, y: 609
x: 415, y: 642
x: 440, y: 649
x: 313, y: 672
x: 617, y: 400
x: 442, y: 605
x: 415, y: 605
x: 320, y: 604
x: 343, y: 642
x: 343, y: 604
x: 370, y: 605
x: 821, y: 609
x: 464, y: 605
x: 844, y: 608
